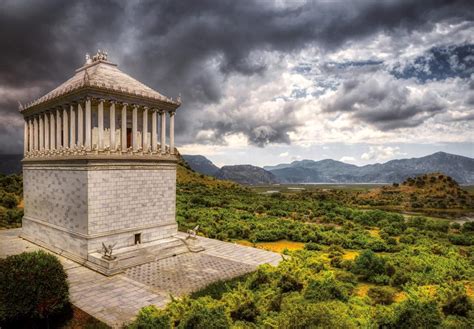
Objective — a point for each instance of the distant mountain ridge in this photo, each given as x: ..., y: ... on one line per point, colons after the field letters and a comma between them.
x: 247, y: 174
x: 330, y: 171
x: 460, y: 168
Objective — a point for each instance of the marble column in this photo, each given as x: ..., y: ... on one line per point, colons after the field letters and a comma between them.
x: 59, y: 143
x: 154, y: 135
x: 112, y: 125
x: 145, y: 130
x: 41, y: 132
x: 135, y: 128
x: 100, y: 121
x: 46, y: 131
x: 65, y: 127
x: 52, y: 130
x: 31, y: 135
x: 123, y: 131
x: 72, y: 137
x: 26, y: 139
x: 163, y: 132
x: 36, y: 134
x: 172, y: 132
x: 88, y: 129
x: 80, y: 125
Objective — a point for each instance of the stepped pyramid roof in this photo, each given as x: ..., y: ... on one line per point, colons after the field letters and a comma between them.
x: 101, y: 75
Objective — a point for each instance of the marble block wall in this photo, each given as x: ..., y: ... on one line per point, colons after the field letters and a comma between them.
x: 77, y: 207
x: 129, y: 201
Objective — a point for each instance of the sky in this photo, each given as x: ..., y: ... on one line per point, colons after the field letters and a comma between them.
x: 264, y: 82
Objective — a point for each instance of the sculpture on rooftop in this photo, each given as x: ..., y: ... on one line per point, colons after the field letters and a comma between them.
x: 100, y: 56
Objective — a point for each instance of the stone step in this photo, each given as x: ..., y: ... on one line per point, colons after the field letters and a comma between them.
x: 137, y: 255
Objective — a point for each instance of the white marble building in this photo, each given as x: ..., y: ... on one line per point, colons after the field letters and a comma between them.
x: 97, y: 169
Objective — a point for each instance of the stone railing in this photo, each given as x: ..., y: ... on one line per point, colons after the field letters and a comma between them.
x: 83, y: 151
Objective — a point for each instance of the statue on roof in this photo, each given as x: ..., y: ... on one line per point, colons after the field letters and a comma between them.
x: 100, y: 56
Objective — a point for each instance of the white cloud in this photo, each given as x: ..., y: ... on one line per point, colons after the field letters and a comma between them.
x: 284, y: 154
x: 347, y: 159
x: 380, y: 153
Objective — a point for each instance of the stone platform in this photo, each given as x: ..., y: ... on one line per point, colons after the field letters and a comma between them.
x: 117, y: 299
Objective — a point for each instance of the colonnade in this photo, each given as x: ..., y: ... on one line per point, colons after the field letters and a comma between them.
x: 71, y: 127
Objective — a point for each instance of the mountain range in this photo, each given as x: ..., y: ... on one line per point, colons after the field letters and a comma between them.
x: 331, y: 171
x: 324, y: 171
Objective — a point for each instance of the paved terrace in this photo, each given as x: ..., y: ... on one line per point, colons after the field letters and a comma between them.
x: 116, y: 300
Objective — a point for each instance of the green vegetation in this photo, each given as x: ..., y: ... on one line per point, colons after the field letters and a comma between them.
x: 32, y: 286
x: 11, y: 193
x: 431, y: 191
x: 350, y: 266
x: 358, y: 268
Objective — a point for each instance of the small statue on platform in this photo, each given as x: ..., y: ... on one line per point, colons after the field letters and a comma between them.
x: 107, y: 251
x: 193, y: 233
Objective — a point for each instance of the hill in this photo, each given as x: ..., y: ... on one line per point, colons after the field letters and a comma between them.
x: 246, y: 174
x: 434, y: 191
x: 330, y: 171
x: 201, y: 164
x: 243, y: 174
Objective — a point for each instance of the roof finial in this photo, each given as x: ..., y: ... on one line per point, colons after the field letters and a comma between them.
x: 88, y: 59
x: 100, y: 56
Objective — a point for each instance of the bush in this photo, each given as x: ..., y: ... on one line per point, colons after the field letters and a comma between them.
x: 455, y: 226
x: 382, y: 295
x: 32, y: 285
x: 417, y: 313
x: 369, y: 265
x: 327, y: 288
x: 461, y: 239
x: 8, y: 200
x: 468, y: 227
x: 151, y: 317
x: 205, y: 314
x: 11, y: 216
x: 312, y: 246
x: 455, y: 301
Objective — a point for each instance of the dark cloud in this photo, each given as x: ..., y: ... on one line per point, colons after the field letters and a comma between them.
x: 384, y: 102
x: 257, y: 128
x: 190, y: 47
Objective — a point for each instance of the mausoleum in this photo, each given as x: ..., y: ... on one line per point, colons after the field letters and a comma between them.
x: 99, y: 170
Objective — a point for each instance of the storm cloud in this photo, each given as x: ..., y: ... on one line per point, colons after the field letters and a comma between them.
x: 217, y: 53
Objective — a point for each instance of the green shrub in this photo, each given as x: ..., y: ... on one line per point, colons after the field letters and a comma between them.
x: 455, y: 301
x: 205, y: 314
x: 468, y: 227
x: 368, y: 265
x: 8, y: 200
x: 327, y: 288
x: 151, y: 317
x: 11, y: 216
x: 417, y: 313
x: 312, y: 246
x: 382, y: 295
x: 461, y: 239
x: 32, y: 285
x: 455, y: 226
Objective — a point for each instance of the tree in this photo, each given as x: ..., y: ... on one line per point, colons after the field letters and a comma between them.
x: 368, y: 265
